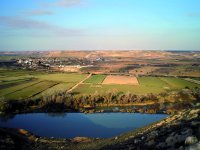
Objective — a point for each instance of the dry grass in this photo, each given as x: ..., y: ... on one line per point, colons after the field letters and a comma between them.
x: 143, y: 70
x: 116, y: 79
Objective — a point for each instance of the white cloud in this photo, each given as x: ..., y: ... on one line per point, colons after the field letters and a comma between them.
x: 27, y: 24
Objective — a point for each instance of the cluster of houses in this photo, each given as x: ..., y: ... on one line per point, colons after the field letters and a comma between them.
x: 48, y: 63
x: 67, y: 65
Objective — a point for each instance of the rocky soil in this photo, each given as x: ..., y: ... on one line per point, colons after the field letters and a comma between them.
x: 180, y: 131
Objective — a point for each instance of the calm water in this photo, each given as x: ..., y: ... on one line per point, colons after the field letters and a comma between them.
x: 69, y: 125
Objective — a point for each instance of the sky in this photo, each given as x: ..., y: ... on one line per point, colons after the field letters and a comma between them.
x: 99, y: 25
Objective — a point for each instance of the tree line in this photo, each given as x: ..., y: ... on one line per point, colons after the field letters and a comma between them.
x: 60, y: 100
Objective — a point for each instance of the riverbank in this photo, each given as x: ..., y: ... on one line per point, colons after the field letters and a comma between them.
x: 149, y: 107
x: 145, y: 108
x: 178, y: 131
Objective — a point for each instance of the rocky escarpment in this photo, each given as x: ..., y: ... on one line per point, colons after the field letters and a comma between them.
x: 180, y: 131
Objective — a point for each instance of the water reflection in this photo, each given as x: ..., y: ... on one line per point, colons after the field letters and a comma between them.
x: 69, y: 125
x: 62, y: 115
x: 7, y: 117
x: 123, y: 120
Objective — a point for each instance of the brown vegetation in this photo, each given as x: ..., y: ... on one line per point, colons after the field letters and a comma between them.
x: 116, y: 79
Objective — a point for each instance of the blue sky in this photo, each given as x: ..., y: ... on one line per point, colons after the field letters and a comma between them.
x: 99, y: 24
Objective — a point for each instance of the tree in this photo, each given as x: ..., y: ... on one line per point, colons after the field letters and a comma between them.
x: 196, y: 93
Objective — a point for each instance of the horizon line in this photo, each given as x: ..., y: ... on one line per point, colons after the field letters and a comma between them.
x: 100, y: 50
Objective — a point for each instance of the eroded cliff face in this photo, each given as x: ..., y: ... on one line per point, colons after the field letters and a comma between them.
x: 179, y: 131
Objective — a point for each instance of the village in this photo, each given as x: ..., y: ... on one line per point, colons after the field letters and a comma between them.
x: 48, y: 64
x: 136, y: 63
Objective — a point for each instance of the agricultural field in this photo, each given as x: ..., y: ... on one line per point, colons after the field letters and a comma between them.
x: 95, y: 79
x: 177, y: 83
x: 116, y: 79
x: 61, y: 87
x: 62, y: 77
x: 146, y: 85
x: 152, y: 82
x: 6, y: 91
x: 5, y: 73
x: 20, y: 84
x: 198, y: 79
x: 30, y: 91
x: 12, y: 82
x: 102, y: 89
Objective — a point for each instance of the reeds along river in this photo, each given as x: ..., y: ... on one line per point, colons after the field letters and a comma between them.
x: 70, y: 125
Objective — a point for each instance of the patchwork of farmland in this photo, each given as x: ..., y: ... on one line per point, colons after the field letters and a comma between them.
x: 6, y: 91
x: 30, y: 91
x: 61, y: 87
x: 179, y: 83
x: 146, y: 85
x: 102, y: 89
x: 95, y: 79
x: 63, y: 77
x: 19, y: 85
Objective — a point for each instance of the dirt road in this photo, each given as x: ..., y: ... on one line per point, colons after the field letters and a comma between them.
x: 72, y: 88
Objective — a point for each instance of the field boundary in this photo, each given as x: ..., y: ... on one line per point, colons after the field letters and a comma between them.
x: 120, y: 80
x: 95, y: 79
x: 23, y: 88
x: 76, y: 85
x: 16, y: 82
x: 42, y: 90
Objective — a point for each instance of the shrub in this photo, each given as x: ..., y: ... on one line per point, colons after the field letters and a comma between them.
x: 5, y: 106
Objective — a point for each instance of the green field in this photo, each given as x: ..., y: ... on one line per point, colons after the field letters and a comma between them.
x: 198, y: 79
x: 30, y: 91
x: 177, y: 83
x: 7, y: 79
x: 152, y: 82
x: 12, y: 82
x: 95, y: 79
x: 23, y: 84
x: 61, y: 87
x: 5, y: 73
x: 101, y: 89
x: 62, y: 77
x: 146, y: 85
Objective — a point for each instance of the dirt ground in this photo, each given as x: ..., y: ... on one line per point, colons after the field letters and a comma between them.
x: 143, y: 70
x: 116, y: 79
